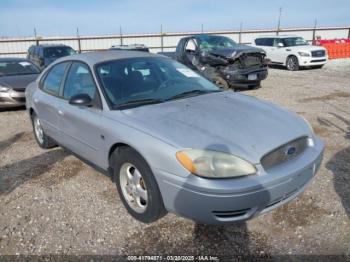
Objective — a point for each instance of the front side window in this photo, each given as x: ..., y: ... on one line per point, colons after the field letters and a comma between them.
x: 24, y: 67
x: 212, y: 42
x: 79, y: 81
x: 54, y: 78
x: 152, y: 79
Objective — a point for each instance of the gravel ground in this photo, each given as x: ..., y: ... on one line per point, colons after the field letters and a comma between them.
x: 52, y: 203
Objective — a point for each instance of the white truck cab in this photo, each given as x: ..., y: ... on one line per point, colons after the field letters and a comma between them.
x: 291, y: 51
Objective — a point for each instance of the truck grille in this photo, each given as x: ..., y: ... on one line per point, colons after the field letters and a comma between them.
x: 284, y: 153
x: 318, y: 53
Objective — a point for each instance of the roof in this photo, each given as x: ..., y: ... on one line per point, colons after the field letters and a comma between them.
x: 276, y: 36
x: 102, y: 56
x: 49, y: 45
x: 12, y: 59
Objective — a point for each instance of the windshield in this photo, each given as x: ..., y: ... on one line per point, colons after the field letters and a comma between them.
x: 17, y: 68
x: 212, y: 42
x: 138, y: 81
x: 55, y: 52
x: 294, y: 41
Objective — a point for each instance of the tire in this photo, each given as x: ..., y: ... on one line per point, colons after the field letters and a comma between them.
x: 221, y: 83
x: 41, y: 138
x: 124, y: 160
x: 292, y: 63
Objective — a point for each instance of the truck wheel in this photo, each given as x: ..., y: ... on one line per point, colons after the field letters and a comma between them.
x: 292, y: 63
x: 137, y: 187
x: 220, y: 82
x: 41, y: 138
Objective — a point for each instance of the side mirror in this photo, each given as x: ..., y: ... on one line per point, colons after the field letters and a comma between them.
x: 81, y: 100
x: 280, y: 45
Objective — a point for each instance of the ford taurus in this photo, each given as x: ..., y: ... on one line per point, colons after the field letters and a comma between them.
x: 170, y: 139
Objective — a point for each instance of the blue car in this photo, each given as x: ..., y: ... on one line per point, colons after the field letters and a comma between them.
x: 172, y: 140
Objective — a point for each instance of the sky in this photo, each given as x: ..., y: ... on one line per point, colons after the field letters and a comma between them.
x: 63, y: 17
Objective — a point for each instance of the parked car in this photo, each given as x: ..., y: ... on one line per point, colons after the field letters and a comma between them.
x: 15, y: 75
x: 135, y: 47
x: 222, y: 61
x: 293, y: 52
x: 43, y: 55
x: 172, y: 140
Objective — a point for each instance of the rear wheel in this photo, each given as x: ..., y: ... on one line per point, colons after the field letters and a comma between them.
x: 137, y: 186
x: 41, y: 138
x: 292, y: 63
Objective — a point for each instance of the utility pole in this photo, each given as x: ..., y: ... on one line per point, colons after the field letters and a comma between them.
x: 279, y: 21
x: 161, y: 38
x: 202, y: 29
x: 36, y: 37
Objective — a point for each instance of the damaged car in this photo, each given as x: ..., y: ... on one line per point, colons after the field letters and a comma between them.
x: 222, y: 61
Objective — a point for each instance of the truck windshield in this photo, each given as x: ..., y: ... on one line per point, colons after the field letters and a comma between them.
x: 137, y: 81
x: 294, y: 41
x: 212, y: 42
x: 59, y: 51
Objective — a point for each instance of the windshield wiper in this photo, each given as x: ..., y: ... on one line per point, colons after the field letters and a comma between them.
x: 138, y: 102
x: 192, y: 93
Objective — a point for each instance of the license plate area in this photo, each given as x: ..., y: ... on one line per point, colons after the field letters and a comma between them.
x: 252, y: 76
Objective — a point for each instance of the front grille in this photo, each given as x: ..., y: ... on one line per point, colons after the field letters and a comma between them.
x: 19, y: 99
x: 18, y: 90
x: 284, y: 153
x: 318, y: 60
x: 318, y: 53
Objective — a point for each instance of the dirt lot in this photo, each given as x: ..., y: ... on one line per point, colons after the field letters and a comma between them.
x: 50, y: 202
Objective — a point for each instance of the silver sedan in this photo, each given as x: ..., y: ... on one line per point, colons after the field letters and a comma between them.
x: 170, y: 139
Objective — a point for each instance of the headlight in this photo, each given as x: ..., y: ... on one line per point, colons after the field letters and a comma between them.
x: 4, y: 89
x: 213, y: 164
x: 304, y: 54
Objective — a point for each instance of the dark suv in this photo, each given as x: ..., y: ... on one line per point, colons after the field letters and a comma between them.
x: 43, y: 55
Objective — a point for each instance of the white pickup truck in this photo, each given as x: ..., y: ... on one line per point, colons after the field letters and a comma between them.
x: 291, y: 51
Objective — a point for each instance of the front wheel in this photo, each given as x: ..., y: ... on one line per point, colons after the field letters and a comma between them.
x: 137, y: 186
x: 221, y: 83
x: 292, y: 63
x: 41, y: 138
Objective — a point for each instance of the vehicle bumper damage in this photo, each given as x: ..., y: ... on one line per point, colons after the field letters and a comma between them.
x: 240, y: 69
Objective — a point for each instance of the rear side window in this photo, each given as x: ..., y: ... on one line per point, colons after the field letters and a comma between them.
x: 260, y: 41
x: 79, y: 81
x: 54, y: 79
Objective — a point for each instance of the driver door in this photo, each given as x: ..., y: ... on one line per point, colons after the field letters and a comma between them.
x: 80, y: 126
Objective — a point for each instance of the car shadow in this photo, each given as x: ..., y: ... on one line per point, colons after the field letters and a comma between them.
x: 339, y: 165
x: 8, y: 142
x: 14, y: 175
x: 12, y: 109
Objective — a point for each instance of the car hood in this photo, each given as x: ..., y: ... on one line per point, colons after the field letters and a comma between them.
x: 305, y: 48
x: 225, y: 121
x: 19, y: 82
x: 236, y: 51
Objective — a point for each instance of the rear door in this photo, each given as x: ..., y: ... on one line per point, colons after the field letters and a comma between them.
x: 46, y: 98
x: 80, y: 126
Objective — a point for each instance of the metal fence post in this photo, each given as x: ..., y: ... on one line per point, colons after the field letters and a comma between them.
x: 161, y: 39
x: 349, y: 33
x: 78, y: 38
x: 121, y: 35
x: 240, y: 33
x: 314, y: 31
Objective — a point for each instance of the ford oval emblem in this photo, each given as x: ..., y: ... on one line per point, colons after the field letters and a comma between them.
x: 290, y: 150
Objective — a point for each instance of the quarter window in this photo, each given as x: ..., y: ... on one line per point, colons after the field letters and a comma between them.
x: 54, y: 78
x: 79, y: 81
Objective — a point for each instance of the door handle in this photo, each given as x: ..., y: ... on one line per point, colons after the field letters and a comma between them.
x: 60, y: 112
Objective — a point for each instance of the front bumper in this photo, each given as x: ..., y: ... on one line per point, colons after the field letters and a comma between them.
x: 312, y: 61
x: 218, y: 201
x: 12, y: 98
x: 245, y: 79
